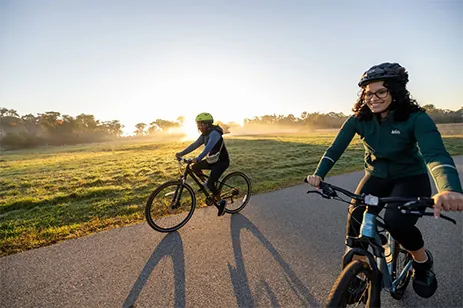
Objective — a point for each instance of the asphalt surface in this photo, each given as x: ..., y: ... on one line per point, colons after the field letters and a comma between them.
x: 283, y: 250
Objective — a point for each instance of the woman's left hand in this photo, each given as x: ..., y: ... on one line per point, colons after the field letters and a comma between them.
x: 447, y: 201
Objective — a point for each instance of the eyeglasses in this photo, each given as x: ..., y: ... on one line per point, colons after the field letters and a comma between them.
x: 382, y: 93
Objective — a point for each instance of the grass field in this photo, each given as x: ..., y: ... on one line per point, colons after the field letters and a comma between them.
x: 54, y: 194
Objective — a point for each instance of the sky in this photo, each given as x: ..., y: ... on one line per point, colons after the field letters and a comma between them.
x: 138, y: 61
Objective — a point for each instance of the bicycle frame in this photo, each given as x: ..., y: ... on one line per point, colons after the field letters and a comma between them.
x: 369, y: 234
x: 179, y: 190
x: 204, y: 189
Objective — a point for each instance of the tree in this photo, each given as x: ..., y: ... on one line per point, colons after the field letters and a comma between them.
x: 153, y: 128
x: 12, y: 113
x: 140, y: 129
x: 87, y: 122
x: 164, y: 124
x: 116, y: 128
x: 49, y: 119
x: 429, y: 108
x: 31, y: 124
x: 3, y: 111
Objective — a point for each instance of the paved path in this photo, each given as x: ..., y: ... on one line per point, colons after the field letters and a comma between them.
x: 283, y: 250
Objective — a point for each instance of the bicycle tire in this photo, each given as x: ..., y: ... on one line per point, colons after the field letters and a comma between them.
x: 397, y: 266
x: 247, y: 185
x: 340, y: 296
x: 149, y: 204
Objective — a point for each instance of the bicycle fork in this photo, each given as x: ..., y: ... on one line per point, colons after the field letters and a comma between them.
x: 177, y: 195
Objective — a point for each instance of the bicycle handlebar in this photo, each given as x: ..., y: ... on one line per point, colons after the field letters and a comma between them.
x: 185, y: 160
x: 408, y: 206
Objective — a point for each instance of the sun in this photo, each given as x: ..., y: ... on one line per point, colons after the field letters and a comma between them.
x: 189, y: 129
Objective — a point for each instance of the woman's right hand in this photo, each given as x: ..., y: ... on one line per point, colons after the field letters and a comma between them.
x: 314, y: 180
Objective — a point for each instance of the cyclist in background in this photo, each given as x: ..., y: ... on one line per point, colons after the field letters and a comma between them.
x: 214, y: 157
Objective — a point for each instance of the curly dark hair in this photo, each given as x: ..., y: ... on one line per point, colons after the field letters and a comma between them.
x: 402, y: 103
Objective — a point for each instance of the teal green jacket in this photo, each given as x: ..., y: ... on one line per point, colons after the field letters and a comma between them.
x: 397, y: 149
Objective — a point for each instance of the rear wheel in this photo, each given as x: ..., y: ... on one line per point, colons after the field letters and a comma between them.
x: 235, y: 189
x: 349, y: 290
x: 170, y: 206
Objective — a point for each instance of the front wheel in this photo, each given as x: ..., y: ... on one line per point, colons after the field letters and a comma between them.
x: 351, y: 290
x: 170, y: 206
x: 401, y: 261
x: 235, y: 189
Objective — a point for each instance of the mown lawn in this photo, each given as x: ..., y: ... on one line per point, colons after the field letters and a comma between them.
x: 49, y: 195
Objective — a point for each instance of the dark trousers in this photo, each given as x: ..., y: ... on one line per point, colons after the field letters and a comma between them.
x: 217, y: 170
x: 401, y: 226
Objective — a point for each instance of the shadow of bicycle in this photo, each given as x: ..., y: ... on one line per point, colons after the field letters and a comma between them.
x: 238, y: 273
x: 172, y: 246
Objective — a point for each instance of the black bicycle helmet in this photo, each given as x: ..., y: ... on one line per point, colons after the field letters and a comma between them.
x: 384, y: 71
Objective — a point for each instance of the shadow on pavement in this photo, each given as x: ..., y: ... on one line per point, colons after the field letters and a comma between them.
x: 172, y: 246
x: 238, y: 274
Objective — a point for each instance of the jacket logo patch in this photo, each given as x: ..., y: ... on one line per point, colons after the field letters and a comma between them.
x: 395, y: 132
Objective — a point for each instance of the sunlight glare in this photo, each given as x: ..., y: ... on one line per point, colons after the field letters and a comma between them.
x: 190, y: 130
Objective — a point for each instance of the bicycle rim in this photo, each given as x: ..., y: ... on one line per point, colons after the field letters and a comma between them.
x: 170, y: 206
x: 401, y: 259
x: 235, y: 189
x: 346, y: 291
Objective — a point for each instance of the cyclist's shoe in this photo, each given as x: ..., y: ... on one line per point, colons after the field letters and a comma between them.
x: 357, y: 290
x: 221, y: 207
x: 424, y: 279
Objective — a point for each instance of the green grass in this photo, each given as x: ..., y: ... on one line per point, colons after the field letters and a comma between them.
x: 54, y: 194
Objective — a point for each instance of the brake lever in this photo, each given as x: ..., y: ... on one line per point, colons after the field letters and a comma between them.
x: 444, y: 217
x: 320, y: 193
x: 314, y: 192
x: 418, y: 213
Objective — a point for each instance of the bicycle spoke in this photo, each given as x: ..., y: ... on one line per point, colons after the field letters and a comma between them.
x: 170, y: 206
x: 237, y: 190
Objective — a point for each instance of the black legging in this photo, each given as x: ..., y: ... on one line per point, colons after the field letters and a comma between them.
x: 217, y: 170
x: 401, y: 226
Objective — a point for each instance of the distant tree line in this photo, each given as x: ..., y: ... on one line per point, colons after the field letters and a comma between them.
x: 53, y: 128
x: 335, y: 120
x: 142, y: 129
x: 442, y: 116
x: 151, y: 129
x: 308, y: 120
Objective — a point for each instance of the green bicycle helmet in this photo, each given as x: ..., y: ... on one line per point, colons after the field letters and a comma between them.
x: 204, y: 117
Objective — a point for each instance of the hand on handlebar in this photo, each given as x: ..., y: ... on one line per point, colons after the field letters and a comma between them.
x: 447, y: 201
x: 186, y: 160
x: 313, y: 180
